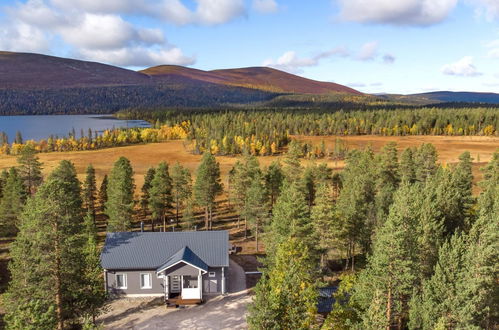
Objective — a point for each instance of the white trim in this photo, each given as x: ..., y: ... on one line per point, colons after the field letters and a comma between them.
x: 124, y: 281
x: 212, y: 274
x: 185, y: 262
x: 150, y: 281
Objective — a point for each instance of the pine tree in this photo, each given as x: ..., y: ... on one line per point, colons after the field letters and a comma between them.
x: 385, y: 286
x: 103, y: 191
x: 407, y: 166
x: 207, y: 186
x: 3, y: 180
x: 462, y: 184
x: 292, y: 164
x: 119, y: 206
x: 286, y: 295
x: 425, y: 160
x: 90, y: 191
x: 30, y: 169
x: 181, y: 187
x: 323, y: 219
x: 93, y: 292
x: 144, y: 199
x: 19, y: 138
x: 387, y: 181
x: 12, y: 202
x: 274, y: 178
x: 160, y: 194
x: 48, y: 248
x: 255, y: 207
x: 188, y: 218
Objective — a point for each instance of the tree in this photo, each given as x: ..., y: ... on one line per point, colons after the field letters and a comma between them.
x: 160, y: 194
x: 407, y: 166
x: 48, y: 248
x: 181, y: 186
x: 119, y: 206
x: 19, y: 138
x: 274, y: 178
x: 462, y: 184
x: 103, y: 191
x: 387, y: 180
x: 207, y: 186
x: 292, y: 164
x: 323, y: 219
x: 290, y: 218
x: 144, y: 199
x: 30, y: 169
x: 286, y: 295
x: 90, y: 191
x: 385, y: 286
x: 425, y: 160
x: 12, y: 202
x: 344, y: 314
x: 256, y: 207
x: 93, y: 292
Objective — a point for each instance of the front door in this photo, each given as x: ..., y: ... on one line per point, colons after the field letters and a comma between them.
x: 210, y: 286
x: 175, y: 283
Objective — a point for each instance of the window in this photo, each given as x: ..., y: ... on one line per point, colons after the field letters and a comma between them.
x: 190, y: 282
x: 211, y: 274
x: 121, y: 281
x: 145, y: 281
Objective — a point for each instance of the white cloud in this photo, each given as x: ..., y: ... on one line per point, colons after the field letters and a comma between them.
x: 368, y: 51
x: 290, y: 62
x: 265, y: 6
x: 218, y: 11
x: 397, y: 12
x: 464, y: 67
x: 493, y: 47
x: 487, y: 8
x: 21, y: 37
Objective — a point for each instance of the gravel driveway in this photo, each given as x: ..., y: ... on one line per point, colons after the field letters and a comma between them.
x: 219, y: 312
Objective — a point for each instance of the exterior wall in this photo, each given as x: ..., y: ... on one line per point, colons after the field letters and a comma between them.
x: 133, y: 283
x: 182, y: 269
x: 218, y: 278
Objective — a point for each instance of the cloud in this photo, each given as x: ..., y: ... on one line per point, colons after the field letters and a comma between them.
x: 487, y: 8
x: 356, y: 85
x: 400, y: 12
x: 464, y: 67
x: 368, y: 51
x: 290, y: 62
x: 388, y: 59
x: 265, y: 6
x: 93, y: 35
x: 493, y: 47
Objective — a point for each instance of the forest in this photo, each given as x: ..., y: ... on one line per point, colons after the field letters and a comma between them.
x: 268, y: 132
x: 403, y: 237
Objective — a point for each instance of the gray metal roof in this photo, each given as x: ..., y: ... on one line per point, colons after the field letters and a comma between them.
x: 186, y: 255
x: 150, y: 250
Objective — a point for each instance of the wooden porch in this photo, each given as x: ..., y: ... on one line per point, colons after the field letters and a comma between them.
x: 175, y: 302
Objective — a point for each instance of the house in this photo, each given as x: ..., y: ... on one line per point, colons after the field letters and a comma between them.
x: 326, y: 300
x: 184, y: 267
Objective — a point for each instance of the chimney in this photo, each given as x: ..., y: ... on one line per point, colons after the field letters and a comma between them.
x: 142, y: 226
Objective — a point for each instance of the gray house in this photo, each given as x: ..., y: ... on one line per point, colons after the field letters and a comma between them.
x: 183, y: 267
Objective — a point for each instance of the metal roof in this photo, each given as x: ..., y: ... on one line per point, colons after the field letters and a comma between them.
x: 150, y: 250
x: 184, y: 255
x: 326, y: 299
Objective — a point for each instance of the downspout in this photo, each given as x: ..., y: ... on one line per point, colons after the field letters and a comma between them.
x: 223, y: 281
x: 105, y: 280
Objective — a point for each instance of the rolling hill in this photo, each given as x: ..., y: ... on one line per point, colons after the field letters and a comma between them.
x: 262, y: 78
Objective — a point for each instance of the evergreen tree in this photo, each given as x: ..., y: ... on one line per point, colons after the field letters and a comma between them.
x: 286, y: 295
x: 48, y: 248
x: 385, y: 286
x: 387, y: 180
x: 30, y: 169
x: 93, y: 292
x: 103, y: 191
x: 90, y: 191
x: 19, y: 138
x: 407, y: 166
x: 207, y: 186
x: 425, y: 160
x: 181, y: 186
x: 3, y: 180
x: 274, y: 178
x: 323, y: 219
x: 188, y: 217
x: 12, y: 202
x: 462, y: 184
x: 255, y: 207
x: 144, y: 199
x: 292, y: 164
x: 119, y: 206
x: 160, y: 194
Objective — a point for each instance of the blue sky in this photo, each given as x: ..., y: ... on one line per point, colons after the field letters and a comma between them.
x: 403, y: 46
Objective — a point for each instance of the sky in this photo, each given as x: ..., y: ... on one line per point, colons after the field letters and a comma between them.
x: 375, y: 46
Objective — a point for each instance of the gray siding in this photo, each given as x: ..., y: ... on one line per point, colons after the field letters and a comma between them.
x: 182, y: 269
x: 218, y: 278
x: 133, y: 282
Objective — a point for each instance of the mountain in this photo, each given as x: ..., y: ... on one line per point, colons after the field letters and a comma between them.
x: 443, y: 97
x: 262, y: 78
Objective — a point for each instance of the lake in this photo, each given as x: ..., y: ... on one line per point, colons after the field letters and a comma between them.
x: 43, y: 126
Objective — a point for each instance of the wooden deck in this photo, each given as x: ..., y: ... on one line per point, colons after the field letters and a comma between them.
x: 174, y: 302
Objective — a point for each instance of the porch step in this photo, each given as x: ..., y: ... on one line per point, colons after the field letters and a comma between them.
x: 175, y: 302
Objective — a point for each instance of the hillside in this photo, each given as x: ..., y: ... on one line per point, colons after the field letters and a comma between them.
x: 263, y: 78
x: 443, y: 97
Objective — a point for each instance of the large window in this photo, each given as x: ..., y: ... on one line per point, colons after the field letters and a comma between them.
x: 121, y: 281
x: 190, y: 282
x: 145, y: 281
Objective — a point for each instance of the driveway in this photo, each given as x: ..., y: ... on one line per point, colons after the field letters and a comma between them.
x: 218, y: 312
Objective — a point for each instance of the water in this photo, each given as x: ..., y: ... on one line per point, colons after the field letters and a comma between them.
x: 43, y: 126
